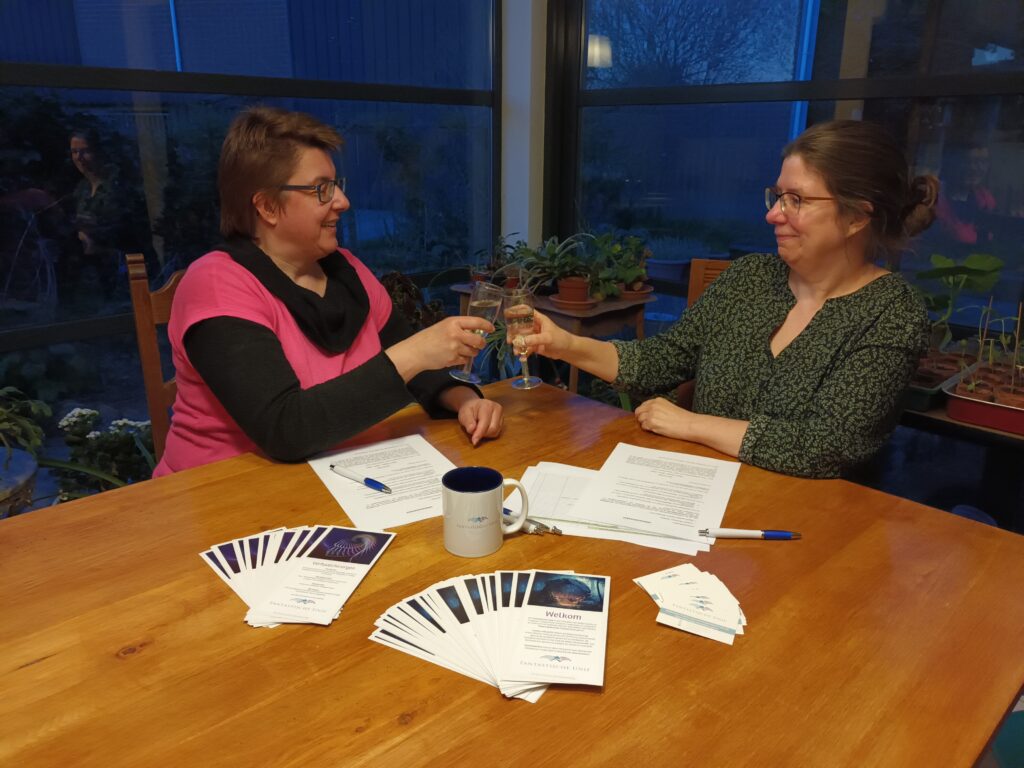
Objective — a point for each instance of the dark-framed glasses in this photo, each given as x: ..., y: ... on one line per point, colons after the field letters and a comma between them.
x: 324, y: 190
x: 789, y: 202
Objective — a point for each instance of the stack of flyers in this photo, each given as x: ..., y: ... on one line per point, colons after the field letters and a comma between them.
x: 695, y: 601
x: 296, y: 575
x: 515, y: 630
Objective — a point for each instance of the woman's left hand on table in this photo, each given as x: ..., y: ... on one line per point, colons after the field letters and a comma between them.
x: 664, y: 418
x: 481, y: 418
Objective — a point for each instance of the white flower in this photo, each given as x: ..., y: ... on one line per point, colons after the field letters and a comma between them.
x: 76, y: 415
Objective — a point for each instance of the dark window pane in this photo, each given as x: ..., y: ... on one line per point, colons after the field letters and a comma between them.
x: 419, y: 183
x: 920, y: 38
x: 435, y: 43
x: 690, y: 178
x: 641, y: 43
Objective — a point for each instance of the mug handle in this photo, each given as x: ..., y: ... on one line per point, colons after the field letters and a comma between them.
x: 517, y: 521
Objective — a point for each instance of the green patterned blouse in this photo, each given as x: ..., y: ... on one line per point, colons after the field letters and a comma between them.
x: 826, y: 403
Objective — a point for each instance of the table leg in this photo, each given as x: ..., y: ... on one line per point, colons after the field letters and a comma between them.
x: 640, y: 322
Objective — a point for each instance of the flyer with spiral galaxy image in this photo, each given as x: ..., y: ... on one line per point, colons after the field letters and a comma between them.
x: 297, y: 575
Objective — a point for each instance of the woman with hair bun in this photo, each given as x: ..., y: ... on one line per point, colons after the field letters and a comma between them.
x: 800, y: 357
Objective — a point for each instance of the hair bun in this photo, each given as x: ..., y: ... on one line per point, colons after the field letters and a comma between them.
x: 924, y: 190
x: 919, y: 212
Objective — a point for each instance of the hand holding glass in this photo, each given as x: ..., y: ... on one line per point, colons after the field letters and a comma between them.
x: 484, y: 301
x: 519, y: 320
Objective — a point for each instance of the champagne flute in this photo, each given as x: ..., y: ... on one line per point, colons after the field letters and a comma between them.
x: 519, y: 320
x: 484, y: 301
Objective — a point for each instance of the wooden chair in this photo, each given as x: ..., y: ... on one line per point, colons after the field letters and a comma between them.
x: 703, y: 272
x: 153, y: 308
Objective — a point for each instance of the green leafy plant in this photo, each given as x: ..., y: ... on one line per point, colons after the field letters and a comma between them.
x: 408, y: 300
x: 19, y: 422
x: 617, y: 264
x: 101, y: 460
x: 554, y: 260
x: 978, y: 273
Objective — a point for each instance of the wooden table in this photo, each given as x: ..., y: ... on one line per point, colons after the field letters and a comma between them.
x: 889, y: 636
x: 606, y: 318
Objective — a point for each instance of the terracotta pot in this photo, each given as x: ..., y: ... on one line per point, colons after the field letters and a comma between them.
x: 1010, y: 395
x: 574, y: 288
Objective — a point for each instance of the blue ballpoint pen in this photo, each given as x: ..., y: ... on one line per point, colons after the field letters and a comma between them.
x: 743, y: 533
x: 369, y: 482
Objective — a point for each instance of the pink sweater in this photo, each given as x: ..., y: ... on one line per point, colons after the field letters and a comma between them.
x: 217, y: 286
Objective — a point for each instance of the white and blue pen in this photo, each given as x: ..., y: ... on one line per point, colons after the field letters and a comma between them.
x: 369, y: 482
x: 744, y: 533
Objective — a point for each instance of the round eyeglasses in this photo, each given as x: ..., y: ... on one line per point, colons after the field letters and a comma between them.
x: 789, y: 202
x: 324, y: 190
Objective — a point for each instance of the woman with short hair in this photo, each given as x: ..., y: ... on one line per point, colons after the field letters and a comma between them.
x: 285, y: 344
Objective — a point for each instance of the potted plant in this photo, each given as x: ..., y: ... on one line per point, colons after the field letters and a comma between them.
x: 990, y: 393
x: 19, y: 426
x: 562, y: 263
x: 944, y: 362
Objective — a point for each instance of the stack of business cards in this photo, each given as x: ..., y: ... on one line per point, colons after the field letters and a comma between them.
x: 515, y: 630
x: 296, y: 575
x: 695, y: 601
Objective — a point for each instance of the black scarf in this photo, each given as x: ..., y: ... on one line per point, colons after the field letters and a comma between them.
x: 331, y: 322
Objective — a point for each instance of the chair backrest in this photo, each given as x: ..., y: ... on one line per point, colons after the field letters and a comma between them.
x: 702, y: 273
x: 153, y: 308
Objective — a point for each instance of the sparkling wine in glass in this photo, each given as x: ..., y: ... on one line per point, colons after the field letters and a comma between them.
x: 519, y: 321
x: 484, y: 301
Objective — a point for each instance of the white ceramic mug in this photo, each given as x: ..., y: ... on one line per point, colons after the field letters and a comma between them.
x: 471, y: 498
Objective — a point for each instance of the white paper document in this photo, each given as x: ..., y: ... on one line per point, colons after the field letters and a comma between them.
x: 488, y: 626
x: 317, y: 585
x: 290, y: 575
x: 410, y: 466
x: 554, y: 490
x: 561, y: 632
x: 659, y: 492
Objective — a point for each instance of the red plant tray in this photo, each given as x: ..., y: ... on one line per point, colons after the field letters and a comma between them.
x: 991, y: 415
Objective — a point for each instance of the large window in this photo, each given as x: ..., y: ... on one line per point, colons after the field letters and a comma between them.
x: 682, y: 108
x: 112, y: 114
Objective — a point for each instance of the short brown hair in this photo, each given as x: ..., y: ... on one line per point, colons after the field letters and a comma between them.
x: 860, y: 162
x: 259, y: 154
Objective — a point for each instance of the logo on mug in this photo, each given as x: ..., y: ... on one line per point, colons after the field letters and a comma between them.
x: 478, y: 520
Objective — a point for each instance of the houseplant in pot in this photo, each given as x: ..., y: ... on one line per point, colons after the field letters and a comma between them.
x: 19, y: 426
x: 990, y: 393
x: 944, y: 361
x: 561, y: 263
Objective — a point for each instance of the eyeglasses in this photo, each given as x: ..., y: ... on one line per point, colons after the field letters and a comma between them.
x: 324, y: 190
x: 789, y: 202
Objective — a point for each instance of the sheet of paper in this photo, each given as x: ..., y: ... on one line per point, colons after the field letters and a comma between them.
x: 410, y: 466
x: 659, y: 492
x: 318, y: 584
x: 554, y: 489
x: 562, y: 632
